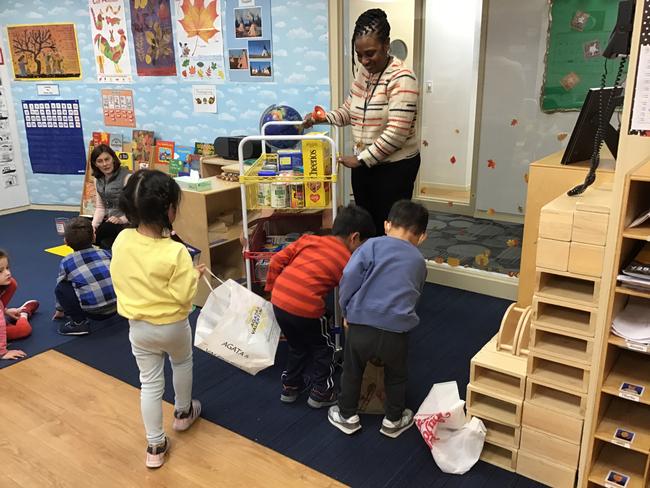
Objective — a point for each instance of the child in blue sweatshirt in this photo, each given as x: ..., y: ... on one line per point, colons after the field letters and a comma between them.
x: 378, y: 293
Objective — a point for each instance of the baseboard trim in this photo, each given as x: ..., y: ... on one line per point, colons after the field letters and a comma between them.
x: 49, y: 208
x: 470, y: 279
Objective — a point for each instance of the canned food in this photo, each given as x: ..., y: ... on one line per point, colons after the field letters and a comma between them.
x: 264, y: 194
x: 280, y: 197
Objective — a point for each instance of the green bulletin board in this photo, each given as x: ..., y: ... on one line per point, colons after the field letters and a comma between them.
x: 578, y: 33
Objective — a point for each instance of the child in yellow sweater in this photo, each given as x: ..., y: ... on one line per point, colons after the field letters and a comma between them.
x: 155, y: 280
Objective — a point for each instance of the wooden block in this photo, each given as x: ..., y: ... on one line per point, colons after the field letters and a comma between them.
x: 500, y: 371
x: 553, y: 254
x: 493, y: 405
x: 499, y: 456
x: 499, y: 434
x: 559, y: 424
x: 545, y: 471
x: 595, y: 199
x: 523, y: 334
x: 548, y: 396
x: 568, y: 287
x: 564, y: 317
x: 556, y: 218
x: 590, y: 228
x: 565, y: 375
x: 550, y: 447
x: 562, y: 347
x: 586, y: 259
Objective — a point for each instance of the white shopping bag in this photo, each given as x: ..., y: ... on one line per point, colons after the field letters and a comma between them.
x: 455, y: 443
x: 238, y: 326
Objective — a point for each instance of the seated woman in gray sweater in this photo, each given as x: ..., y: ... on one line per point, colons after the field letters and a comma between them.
x: 378, y: 293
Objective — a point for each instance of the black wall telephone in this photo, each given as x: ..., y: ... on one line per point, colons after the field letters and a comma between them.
x: 621, y: 37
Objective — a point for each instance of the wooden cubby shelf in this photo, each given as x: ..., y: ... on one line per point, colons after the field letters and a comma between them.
x: 563, y: 375
x: 641, y: 233
x: 550, y: 343
x: 550, y: 397
x: 500, y: 434
x: 615, y: 458
x: 633, y: 293
x: 568, y: 287
x: 630, y: 367
x: 631, y: 346
x: 621, y: 414
x: 493, y: 406
x: 563, y: 317
x: 499, y: 456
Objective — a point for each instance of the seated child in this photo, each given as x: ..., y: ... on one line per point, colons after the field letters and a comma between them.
x: 19, y: 325
x: 299, y: 278
x: 379, y: 291
x: 84, y: 288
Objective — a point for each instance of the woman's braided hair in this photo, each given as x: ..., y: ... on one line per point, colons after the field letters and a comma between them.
x: 371, y: 22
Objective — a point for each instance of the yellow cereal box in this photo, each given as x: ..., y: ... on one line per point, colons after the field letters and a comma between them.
x: 317, y: 194
x: 316, y: 157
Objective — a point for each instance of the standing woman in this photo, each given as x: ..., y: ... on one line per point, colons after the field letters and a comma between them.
x: 382, y: 110
x: 110, y: 178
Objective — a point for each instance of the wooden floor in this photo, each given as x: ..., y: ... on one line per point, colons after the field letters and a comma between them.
x: 65, y: 424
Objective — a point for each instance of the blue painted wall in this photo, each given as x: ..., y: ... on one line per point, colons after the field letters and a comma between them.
x: 164, y: 104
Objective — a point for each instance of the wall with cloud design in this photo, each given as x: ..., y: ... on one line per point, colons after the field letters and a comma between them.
x: 164, y: 104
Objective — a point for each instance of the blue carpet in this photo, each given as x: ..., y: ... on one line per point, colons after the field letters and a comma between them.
x: 455, y: 324
x: 24, y: 236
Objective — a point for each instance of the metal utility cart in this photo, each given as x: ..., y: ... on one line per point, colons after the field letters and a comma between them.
x: 250, y: 182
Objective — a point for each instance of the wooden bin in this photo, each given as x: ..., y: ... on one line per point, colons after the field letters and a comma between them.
x: 493, y: 405
x: 561, y: 425
x: 561, y: 346
x: 552, y: 398
x: 568, y: 287
x: 565, y: 375
x: 499, y: 371
x: 564, y: 317
x: 550, y: 447
x: 498, y: 455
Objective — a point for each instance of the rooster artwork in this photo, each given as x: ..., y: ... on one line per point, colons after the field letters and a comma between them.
x: 110, y: 42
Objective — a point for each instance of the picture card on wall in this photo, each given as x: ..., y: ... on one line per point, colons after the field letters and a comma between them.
x: 204, y: 98
x: 111, y: 46
x: 54, y: 136
x: 118, y: 108
x: 44, y: 52
x: 248, y: 36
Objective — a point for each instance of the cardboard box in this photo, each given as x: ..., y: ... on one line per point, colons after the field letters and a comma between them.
x: 318, y: 194
x: 186, y: 183
x: 316, y: 157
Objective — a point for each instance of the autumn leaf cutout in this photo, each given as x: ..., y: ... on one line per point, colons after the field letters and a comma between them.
x: 199, y: 20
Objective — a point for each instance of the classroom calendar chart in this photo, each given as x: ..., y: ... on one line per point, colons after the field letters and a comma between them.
x: 54, y: 136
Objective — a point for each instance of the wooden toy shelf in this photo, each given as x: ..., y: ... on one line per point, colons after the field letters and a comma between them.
x: 617, y: 406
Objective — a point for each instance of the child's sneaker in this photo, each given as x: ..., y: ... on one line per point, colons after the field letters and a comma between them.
x: 74, y: 328
x: 319, y: 399
x: 156, y: 454
x: 290, y: 393
x: 183, y: 421
x: 349, y: 425
x: 395, y: 428
x: 29, y: 307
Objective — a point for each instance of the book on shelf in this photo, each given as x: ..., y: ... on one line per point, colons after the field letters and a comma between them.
x: 143, y: 148
x: 639, y: 267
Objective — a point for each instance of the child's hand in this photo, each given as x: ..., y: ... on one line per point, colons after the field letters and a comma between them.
x: 58, y: 315
x: 113, y: 220
x: 15, y: 354
x: 14, y: 313
x: 201, y: 268
x: 345, y: 324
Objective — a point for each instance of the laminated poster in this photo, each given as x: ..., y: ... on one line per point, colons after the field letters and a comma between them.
x: 111, y: 45
x: 204, y: 98
x: 200, y: 40
x: 118, y: 108
x: 152, y: 36
x: 44, y: 52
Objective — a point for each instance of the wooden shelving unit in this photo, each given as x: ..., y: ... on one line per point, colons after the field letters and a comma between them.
x: 196, y: 223
x: 623, y: 362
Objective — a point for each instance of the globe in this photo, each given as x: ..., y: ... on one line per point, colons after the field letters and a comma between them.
x: 279, y: 113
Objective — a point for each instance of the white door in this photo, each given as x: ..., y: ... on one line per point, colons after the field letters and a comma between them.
x: 13, y: 185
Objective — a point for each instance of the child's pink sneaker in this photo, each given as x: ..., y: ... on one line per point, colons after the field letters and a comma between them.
x: 156, y: 454
x: 183, y: 421
x: 29, y: 307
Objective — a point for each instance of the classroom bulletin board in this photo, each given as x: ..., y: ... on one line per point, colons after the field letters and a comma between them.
x: 578, y: 34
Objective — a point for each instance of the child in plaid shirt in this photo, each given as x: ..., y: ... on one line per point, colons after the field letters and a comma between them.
x: 84, y: 288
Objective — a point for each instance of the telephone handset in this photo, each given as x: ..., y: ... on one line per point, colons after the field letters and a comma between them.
x: 621, y: 37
